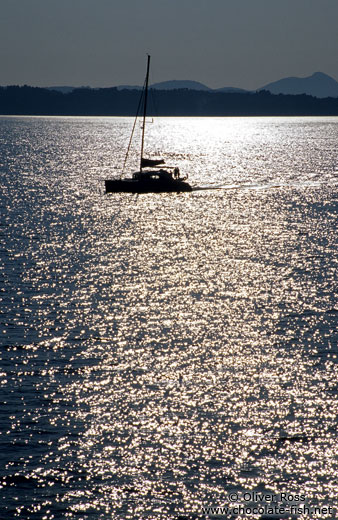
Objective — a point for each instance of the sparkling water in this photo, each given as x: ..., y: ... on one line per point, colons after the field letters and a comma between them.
x: 166, y: 353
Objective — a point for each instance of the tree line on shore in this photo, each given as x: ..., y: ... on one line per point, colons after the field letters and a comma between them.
x: 26, y: 100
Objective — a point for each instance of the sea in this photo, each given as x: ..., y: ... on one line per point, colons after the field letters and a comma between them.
x: 169, y: 356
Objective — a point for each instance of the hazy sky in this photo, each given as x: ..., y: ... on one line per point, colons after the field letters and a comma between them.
x: 240, y: 43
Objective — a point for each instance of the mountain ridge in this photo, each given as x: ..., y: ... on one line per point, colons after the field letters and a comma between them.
x: 318, y: 85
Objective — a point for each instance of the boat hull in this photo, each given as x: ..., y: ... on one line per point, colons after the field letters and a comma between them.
x: 146, y: 186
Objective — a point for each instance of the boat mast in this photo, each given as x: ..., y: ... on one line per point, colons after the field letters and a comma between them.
x: 145, y: 109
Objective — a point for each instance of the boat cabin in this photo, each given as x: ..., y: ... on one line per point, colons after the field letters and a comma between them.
x: 161, y: 175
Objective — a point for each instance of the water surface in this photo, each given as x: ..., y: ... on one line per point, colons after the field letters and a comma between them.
x: 162, y: 351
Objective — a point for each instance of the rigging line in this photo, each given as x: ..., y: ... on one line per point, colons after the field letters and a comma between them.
x: 145, y: 109
x: 132, y: 132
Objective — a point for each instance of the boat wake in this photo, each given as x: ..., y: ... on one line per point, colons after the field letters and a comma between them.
x: 265, y: 186
x: 225, y: 187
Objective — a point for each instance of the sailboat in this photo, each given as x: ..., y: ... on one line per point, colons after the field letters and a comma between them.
x: 150, y: 178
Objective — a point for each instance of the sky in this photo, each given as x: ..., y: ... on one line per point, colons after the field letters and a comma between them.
x: 221, y: 43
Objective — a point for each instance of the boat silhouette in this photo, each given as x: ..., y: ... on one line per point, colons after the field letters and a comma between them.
x: 152, y: 179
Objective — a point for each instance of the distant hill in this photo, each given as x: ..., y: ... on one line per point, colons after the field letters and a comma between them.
x: 129, y: 87
x: 64, y: 90
x: 163, y: 85
x: 170, y: 85
x: 231, y: 90
x: 178, y: 84
x: 319, y: 85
